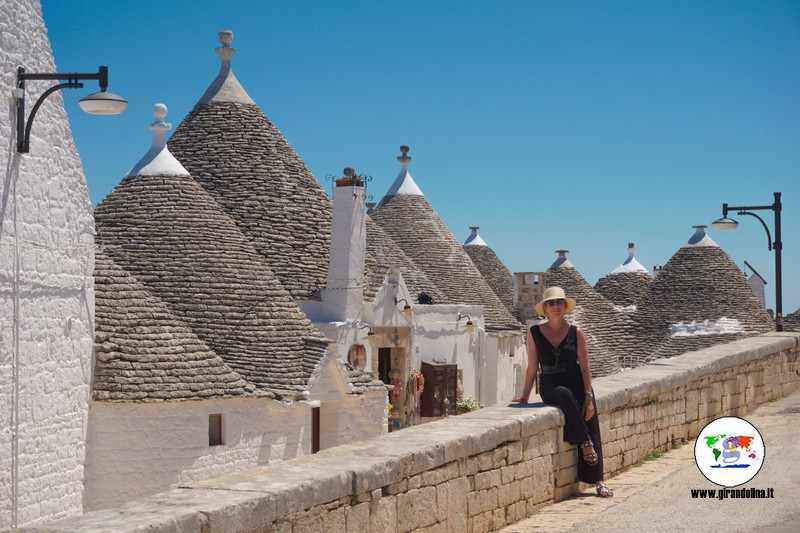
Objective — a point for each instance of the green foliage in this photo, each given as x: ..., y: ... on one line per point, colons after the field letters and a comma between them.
x: 468, y: 404
x: 651, y: 399
x: 653, y: 456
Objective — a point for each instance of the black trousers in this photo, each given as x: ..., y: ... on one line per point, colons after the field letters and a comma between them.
x: 565, y: 390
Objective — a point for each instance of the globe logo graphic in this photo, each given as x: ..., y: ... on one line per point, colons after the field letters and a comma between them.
x: 729, y: 451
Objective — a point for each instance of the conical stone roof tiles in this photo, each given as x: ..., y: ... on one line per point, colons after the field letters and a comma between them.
x: 409, y: 219
x: 626, y: 285
x: 173, y: 237
x: 385, y: 253
x: 238, y: 155
x: 699, y: 298
x: 791, y: 322
x: 143, y: 353
x: 499, y: 278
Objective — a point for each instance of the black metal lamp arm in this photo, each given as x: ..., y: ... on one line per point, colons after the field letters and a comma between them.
x: 23, y: 126
x: 769, y: 235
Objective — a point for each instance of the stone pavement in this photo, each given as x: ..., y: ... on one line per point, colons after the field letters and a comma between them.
x: 657, y: 495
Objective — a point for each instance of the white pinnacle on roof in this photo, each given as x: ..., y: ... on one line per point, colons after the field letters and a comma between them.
x: 631, y: 265
x: 158, y: 161
x: 700, y: 238
x: 226, y: 88
x: 404, y: 184
x: 561, y: 260
x: 474, y: 239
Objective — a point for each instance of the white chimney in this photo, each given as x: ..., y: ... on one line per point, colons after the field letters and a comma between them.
x: 344, y: 295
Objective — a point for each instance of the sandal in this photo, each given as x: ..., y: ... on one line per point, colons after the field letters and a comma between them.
x: 589, y: 458
x: 603, y: 491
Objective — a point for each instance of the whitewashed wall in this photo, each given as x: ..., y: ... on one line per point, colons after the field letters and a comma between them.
x: 46, y: 290
x: 439, y: 336
x: 504, y: 352
x: 347, y: 417
x: 137, y: 449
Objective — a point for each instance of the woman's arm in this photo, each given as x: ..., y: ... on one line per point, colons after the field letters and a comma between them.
x: 586, y: 374
x: 530, y: 373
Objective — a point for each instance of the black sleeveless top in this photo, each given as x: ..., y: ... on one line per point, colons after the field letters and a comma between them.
x: 555, y: 359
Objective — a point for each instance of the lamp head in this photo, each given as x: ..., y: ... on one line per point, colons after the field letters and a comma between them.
x: 725, y: 223
x: 103, y: 103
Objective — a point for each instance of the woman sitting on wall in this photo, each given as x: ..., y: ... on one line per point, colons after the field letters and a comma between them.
x: 561, y: 351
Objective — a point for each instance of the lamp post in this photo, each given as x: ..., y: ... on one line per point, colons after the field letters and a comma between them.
x: 729, y: 223
x: 100, y: 103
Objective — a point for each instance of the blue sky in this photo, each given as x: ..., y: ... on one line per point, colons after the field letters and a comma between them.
x: 576, y: 125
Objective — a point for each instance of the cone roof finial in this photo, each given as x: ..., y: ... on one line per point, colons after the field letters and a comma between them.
x: 404, y: 158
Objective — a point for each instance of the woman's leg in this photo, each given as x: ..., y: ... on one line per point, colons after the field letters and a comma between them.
x: 565, y: 400
x: 592, y: 472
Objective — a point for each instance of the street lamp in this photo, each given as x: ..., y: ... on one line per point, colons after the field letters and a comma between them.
x: 729, y: 223
x: 100, y: 103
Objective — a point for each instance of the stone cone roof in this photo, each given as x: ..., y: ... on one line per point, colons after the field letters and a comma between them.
x: 606, y: 328
x: 238, y: 155
x: 173, y: 237
x: 385, y: 253
x: 144, y: 353
x: 413, y: 224
x: 626, y: 285
x: 699, y: 283
x: 791, y: 322
x: 241, y: 158
x: 623, y: 290
x: 248, y: 167
x: 499, y: 278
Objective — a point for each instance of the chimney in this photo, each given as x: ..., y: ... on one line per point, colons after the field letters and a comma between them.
x: 657, y: 269
x: 561, y: 260
x: 344, y: 294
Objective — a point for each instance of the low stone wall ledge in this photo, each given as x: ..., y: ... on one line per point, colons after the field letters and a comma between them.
x: 475, y: 472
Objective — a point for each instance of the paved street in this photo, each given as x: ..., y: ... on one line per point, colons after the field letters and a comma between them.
x: 657, y: 495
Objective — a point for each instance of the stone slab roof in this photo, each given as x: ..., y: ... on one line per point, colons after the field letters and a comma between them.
x: 244, y: 162
x: 173, y: 237
x: 144, y: 353
x: 499, y: 278
x: 385, y: 253
x: 625, y: 288
x: 699, y: 283
x: 606, y: 329
x: 413, y: 224
x: 241, y: 158
x: 791, y: 322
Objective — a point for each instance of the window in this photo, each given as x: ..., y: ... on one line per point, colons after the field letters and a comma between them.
x: 518, y: 384
x: 531, y: 279
x: 215, y: 430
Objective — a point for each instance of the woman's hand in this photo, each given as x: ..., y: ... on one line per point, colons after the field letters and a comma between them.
x: 588, y: 409
x: 519, y: 399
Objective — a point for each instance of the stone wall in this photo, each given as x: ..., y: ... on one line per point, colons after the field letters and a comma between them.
x: 139, y: 449
x: 46, y: 287
x: 474, y: 472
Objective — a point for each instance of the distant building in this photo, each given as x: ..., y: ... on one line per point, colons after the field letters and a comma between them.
x: 758, y: 283
x: 627, y: 284
x: 529, y: 290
